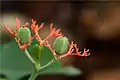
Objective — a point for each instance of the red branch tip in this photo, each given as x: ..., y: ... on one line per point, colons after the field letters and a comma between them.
x: 17, y: 23
x: 55, y: 32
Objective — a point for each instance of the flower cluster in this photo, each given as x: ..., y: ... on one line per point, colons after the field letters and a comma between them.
x: 24, y: 33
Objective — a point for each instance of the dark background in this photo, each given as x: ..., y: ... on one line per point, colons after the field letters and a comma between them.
x: 92, y: 24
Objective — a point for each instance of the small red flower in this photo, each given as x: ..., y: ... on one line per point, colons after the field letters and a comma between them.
x: 17, y: 23
x: 73, y: 47
x: 17, y: 26
x: 35, y: 28
x: 85, y: 52
x: 55, y: 32
x: 8, y: 29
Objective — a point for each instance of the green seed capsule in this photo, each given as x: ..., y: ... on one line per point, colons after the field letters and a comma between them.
x: 60, y: 45
x: 37, y: 50
x: 24, y: 35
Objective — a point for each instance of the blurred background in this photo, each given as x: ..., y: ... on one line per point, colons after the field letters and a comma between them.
x: 91, y: 24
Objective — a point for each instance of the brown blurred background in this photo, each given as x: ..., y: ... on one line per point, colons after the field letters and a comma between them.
x: 91, y: 24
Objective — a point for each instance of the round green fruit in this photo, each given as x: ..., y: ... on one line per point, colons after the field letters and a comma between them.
x: 37, y: 50
x: 24, y: 35
x: 60, y: 45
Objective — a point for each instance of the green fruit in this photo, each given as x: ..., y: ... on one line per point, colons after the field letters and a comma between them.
x: 37, y: 50
x: 60, y: 45
x: 24, y: 35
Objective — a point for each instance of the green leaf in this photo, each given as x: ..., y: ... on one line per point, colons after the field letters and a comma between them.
x: 68, y: 71
x: 46, y: 56
x: 25, y: 77
x: 0, y: 25
x: 3, y: 77
x: 14, y: 63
